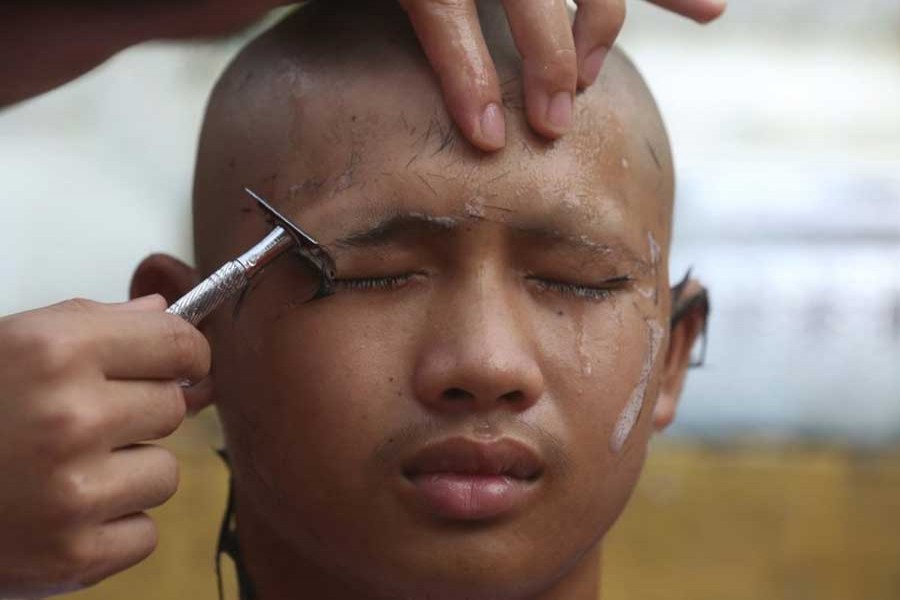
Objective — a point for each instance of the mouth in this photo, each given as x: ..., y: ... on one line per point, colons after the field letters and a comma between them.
x: 460, y: 479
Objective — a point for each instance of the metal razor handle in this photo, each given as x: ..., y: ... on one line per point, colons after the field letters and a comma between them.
x: 194, y: 306
x: 231, y: 278
x: 234, y: 275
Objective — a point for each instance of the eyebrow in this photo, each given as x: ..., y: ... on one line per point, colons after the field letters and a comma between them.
x: 397, y: 226
x: 410, y: 225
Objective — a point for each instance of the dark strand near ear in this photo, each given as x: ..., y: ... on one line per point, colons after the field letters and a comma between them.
x: 228, y: 543
x: 685, y: 306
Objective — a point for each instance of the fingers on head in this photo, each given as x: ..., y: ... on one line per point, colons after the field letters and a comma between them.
x: 597, y: 25
x: 450, y: 35
x: 702, y: 11
x: 544, y: 38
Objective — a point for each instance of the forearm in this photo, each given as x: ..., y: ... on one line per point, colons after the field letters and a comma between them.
x: 46, y: 44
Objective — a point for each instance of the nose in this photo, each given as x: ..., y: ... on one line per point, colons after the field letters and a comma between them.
x: 478, y: 355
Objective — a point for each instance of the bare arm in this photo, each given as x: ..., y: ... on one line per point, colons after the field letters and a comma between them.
x: 45, y: 44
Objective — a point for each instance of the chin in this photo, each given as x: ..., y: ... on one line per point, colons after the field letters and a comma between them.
x: 480, y: 568
x: 463, y: 584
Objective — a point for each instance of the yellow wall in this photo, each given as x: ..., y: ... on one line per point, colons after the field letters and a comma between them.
x: 734, y: 522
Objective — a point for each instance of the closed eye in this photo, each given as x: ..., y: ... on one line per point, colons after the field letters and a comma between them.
x: 563, y: 288
x: 362, y: 284
x: 581, y: 291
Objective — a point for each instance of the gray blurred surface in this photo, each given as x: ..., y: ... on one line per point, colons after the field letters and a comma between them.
x: 786, y: 128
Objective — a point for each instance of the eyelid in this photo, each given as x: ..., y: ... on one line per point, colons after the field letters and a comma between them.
x: 384, y: 282
x: 600, y: 291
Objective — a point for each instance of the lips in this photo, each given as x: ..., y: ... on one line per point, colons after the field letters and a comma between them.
x: 460, y: 479
x: 460, y: 456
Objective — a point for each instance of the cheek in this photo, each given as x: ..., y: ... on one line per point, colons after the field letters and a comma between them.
x: 596, y: 355
x: 310, y: 392
x: 592, y: 356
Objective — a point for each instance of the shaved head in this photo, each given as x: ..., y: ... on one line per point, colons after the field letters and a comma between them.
x: 336, y: 99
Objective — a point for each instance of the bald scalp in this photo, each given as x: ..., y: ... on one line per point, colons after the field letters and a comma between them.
x: 299, y: 110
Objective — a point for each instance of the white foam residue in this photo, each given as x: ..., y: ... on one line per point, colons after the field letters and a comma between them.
x: 442, y: 221
x: 655, y: 252
x: 635, y: 405
x: 475, y: 209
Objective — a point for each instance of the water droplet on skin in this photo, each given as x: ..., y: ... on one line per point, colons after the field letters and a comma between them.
x: 484, y: 429
x: 584, y: 357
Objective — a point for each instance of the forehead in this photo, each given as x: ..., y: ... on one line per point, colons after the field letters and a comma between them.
x: 385, y: 141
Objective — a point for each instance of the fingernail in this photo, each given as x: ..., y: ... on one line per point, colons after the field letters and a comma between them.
x: 153, y: 301
x: 716, y: 8
x: 559, y: 113
x: 493, y: 126
x: 593, y: 63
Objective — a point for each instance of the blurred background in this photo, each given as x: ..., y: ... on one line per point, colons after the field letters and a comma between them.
x: 781, y: 478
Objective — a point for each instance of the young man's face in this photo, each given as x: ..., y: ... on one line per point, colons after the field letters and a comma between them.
x: 471, y: 408
x: 468, y: 414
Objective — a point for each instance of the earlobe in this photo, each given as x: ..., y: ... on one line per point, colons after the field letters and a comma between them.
x: 691, y: 307
x: 171, y: 278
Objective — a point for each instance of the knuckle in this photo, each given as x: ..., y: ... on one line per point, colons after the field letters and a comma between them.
x: 50, y: 352
x: 81, y: 305
x: 73, y: 497
x: 70, y: 426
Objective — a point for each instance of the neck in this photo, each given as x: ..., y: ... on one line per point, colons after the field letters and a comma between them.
x: 278, y: 571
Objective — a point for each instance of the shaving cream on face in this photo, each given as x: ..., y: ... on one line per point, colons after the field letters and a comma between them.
x: 442, y: 221
x: 633, y: 408
x: 474, y: 209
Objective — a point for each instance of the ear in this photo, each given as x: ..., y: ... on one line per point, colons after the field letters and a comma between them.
x: 692, y: 309
x: 171, y: 278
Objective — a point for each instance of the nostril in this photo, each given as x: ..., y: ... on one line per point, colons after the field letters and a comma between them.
x: 456, y: 394
x: 514, y: 396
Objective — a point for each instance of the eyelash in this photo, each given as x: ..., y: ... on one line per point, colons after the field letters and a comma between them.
x: 583, y: 292
x: 367, y: 284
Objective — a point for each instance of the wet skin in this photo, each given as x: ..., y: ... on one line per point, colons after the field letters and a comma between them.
x: 482, y: 299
